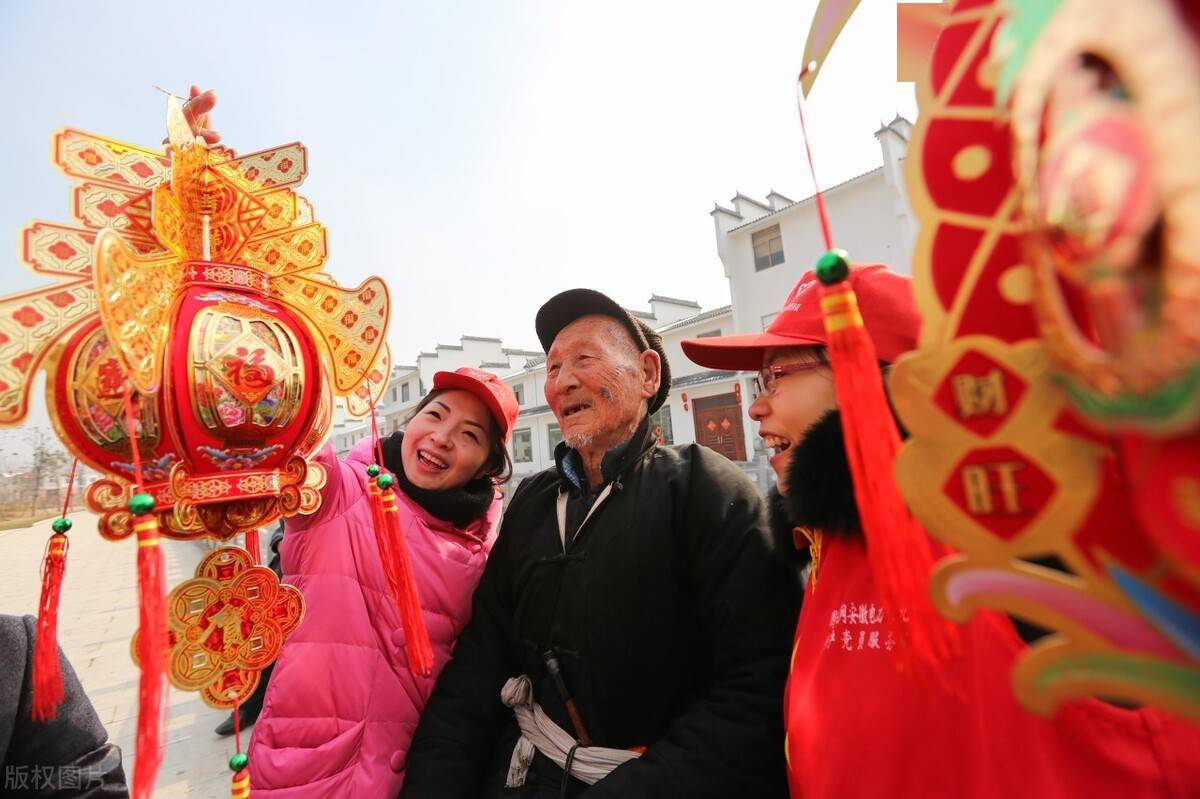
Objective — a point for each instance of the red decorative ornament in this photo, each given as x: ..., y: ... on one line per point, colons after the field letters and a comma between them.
x: 243, y: 385
x: 196, y: 276
x: 234, y: 323
x: 1053, y: 402
x: 226, y: 625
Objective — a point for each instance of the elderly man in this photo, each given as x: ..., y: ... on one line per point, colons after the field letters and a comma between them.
x: 630, y: 634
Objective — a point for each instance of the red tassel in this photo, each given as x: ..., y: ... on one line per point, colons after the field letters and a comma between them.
x: 152, y: 655
x: 252, y: 546
x: 897, y: 546
x: 47, y: 671
x: 376, y: 504
x: 402, y: 584
x: 240, y: 788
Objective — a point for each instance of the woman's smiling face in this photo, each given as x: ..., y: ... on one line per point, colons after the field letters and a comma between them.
x: 447, y: 443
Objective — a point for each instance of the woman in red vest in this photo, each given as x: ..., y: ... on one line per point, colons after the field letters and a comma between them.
x: 855, y: 725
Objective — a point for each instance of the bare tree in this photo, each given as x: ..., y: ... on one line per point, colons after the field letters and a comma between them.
x: 49, y: 459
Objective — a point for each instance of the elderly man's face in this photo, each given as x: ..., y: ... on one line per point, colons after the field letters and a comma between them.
x: 597, y: 383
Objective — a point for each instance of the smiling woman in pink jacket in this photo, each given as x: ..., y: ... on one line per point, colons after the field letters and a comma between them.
x: 342, y: 703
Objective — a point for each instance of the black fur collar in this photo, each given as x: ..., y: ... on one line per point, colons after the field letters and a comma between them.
x: 820, y: 492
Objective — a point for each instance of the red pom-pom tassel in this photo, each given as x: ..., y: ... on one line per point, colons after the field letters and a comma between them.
x: 898, y: 548
x: 47, y: 671
x: 376, y: 505
x: 240, y: 789
x: 402, y: 583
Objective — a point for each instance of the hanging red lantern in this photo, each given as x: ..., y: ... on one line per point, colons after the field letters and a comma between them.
x: 196, y: 254
x: 235, y: 323
x: 683, y: 396
x: 242, y: 385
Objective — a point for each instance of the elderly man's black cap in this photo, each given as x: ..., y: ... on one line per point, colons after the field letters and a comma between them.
x: 563, y: 309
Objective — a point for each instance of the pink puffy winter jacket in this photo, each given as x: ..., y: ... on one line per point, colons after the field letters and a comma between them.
x: 342, y: 706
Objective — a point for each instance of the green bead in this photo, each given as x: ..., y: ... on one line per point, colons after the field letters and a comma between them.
x: 385, y: 481
x: 61, y: 525
x: 140, y: 504
x: 238, y: 761
x: 372, y: 471
x: 833, y: 267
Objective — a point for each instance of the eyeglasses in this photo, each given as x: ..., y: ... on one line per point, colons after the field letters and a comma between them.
x: 769, y: 376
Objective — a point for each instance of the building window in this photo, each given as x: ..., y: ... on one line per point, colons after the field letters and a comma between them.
x: 768, y: 319
x: 768, y: 248
x: 404, y: 394
x: 554, y: 435
x: 519, y: 391
x: 522, y: 446
x: 660, y: 425
x: 709, y: 333
x: 421, y: 384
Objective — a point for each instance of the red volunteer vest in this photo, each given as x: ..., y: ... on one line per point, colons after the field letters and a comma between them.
x: 857, y: 728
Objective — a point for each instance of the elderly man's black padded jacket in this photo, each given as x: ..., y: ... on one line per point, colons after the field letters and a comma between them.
x: 68, y: 756
x: 671, y: 622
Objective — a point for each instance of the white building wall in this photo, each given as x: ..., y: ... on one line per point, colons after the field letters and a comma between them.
x: 869, y: 217
x: 893, y: 141
x: 666, y: 310
x: 862, y: 216
x: 672, y: 343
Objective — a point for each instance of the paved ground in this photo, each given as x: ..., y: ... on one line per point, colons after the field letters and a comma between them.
x: 98, y: 617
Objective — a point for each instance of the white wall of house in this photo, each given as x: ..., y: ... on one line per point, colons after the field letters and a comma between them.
x: 869, y: 216
x: 478, y: 352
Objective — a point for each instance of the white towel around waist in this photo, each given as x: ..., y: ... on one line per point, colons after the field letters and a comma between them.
x: 538, y: 731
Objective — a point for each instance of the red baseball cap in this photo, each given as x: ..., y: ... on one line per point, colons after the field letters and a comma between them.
x: 884, y: 299
x: 496, y: 395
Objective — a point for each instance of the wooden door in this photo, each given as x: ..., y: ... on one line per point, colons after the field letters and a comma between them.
x: 719, y: 425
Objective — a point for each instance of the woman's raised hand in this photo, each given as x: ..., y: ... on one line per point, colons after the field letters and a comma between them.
x: 197, y: 111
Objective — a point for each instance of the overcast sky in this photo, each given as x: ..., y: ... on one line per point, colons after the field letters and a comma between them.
x: 479, y: 156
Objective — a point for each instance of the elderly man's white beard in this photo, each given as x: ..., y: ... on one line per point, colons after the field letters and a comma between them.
x: 580, y: 440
